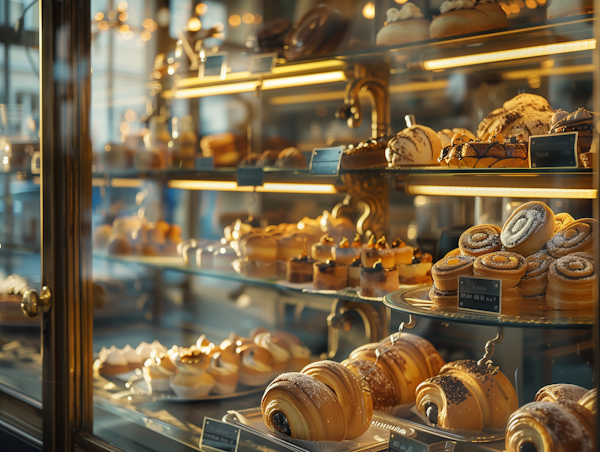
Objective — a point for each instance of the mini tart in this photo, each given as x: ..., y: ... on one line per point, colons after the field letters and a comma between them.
x: 379, y: 251
x: 300, y: 269
x: 445, y: 272
x: 330, y: 275
x: 577, y: 236
x: 443, y: 298
x: 354, y: 271
x: 511, y: 298
x: 509, y: 267
x: 403, y: 254
x: 321, y: 251
x: 378, y: 281
x: 480, y: 240
x: 344, y: 253
x: 535, y: 279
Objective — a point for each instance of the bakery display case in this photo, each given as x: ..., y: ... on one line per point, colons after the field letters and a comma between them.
x: 299, y: 225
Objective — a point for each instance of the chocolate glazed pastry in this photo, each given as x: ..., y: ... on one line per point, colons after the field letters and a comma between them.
x: 319, y: 32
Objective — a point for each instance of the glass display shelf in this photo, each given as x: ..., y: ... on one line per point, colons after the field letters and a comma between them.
x: 415, y: 300
x: 537, y: 39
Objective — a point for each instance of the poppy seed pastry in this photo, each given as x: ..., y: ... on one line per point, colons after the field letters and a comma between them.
x: 415, y: 145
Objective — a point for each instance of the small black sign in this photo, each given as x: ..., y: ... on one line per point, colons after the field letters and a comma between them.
x: 250, y: 176
x: 205, y: 163
x: 480, y: 294
x: 555, y: 150
x: 36, y: 163
x: 263, y: 64
x: 326, y: 162
x: 214, y: 65
x: 400, y: 443
x: 219, y: 435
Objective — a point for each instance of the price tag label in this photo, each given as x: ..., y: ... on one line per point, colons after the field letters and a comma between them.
x: 36, y: 163
x: 218, y: 435
x: 250, y: 176
x: 214, y: 65
x: 555, y: 150
x: 326, y: 161
x: 205, y: 163
x: 480, y: 294
x: 263, y: 64
x: 401, y: 443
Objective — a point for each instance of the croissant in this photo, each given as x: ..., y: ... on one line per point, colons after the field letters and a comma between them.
x: 560, y: 393
x: 551, y: 427
x: 354, y: 397
x: 466, y: 387
x: 410, y: 361
x: 383, y: 391
x: 301, y: 407
x: 589, y: 400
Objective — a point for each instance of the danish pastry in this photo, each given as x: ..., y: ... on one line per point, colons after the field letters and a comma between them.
x: 571, y: 282
x: 354, y: 397
x: 445, y: 272
x: 509, y: 267
x: 590, y: 400
x: 466, y: 395
x: 560, y: 393
x: 547, y: 426
x: 575, y: 236
x: 408, y: 362
x: 535, y: 279
x: 561, y: 220
x: 479, y: 240
x: 528, y: 228
x: 301, y: 407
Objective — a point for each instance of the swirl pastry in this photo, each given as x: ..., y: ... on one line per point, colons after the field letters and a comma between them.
x: 416, y: 145
x: 590, y: 400
x: 509, y: 267
x: 535, y: 279
x: 528, y: 228
x: 574, y: 237
x: 464, y: 387
x: 480, y: 240
x: 443, y: 298
x: 560, y: 393
x: 511, y: 298
x: 410, y: 361
x: 446, y: 271
x: 571, y: 282
x: 301, y: 407
x: 354, y: 397
x: 561, y: 220
x: 547, y: 426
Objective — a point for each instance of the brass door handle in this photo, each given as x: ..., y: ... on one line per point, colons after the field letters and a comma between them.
x: 34, y: 303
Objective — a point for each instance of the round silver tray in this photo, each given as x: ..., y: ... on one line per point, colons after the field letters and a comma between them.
x: 415, y: 300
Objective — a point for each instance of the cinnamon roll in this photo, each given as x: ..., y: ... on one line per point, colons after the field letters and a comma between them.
x: 590, y: 400
x: 571, y: 282
x: 445, y: 272
x: 511, y: 298
x: 509, y: 267
x: 467, y: 396
x: 577, y: 236
x: 528, y: 228
x: 354, y: 397
x: 443, y: 298
x: 454, y: 252
x: 535, y: 279
x: 534, y: 304
x: 549, y: 427
x: 560, y: 393
x: 480, y: 240
x: 561, y: 220
x: 301, y: 407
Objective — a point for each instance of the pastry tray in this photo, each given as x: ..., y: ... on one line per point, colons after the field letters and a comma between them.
x: 406, y: 427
